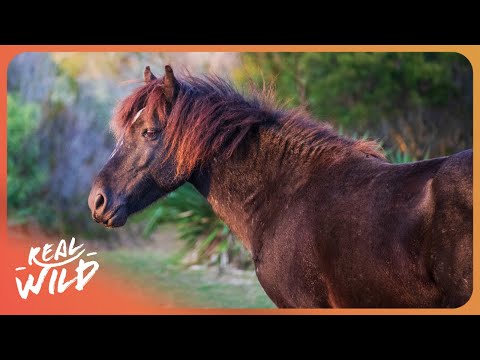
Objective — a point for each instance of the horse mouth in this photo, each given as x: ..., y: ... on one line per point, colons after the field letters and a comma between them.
x: 116, y: 219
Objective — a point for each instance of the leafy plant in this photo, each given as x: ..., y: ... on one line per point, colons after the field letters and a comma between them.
x: 25, y: 177
x: 414, y: 95
x: 400, y: 157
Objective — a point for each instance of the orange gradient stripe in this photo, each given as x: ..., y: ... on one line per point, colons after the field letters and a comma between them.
x: 103, y: 294
x: 106, y: 295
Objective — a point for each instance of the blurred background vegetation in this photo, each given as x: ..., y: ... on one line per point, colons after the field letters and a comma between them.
x: 418, y: 105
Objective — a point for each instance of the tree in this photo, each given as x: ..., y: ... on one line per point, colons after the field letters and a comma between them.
x: 415, y: 102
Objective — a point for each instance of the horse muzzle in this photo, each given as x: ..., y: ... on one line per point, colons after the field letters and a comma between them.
x: 104, y: 213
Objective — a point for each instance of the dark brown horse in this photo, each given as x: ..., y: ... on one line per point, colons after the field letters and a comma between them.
x: 328, y: 221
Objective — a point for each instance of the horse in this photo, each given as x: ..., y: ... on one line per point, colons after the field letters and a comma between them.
x: 329, y: 222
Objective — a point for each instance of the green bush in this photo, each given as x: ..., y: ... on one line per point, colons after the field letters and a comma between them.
x: 411, y: 100
x: 357, y: 88
x: 25, y: 177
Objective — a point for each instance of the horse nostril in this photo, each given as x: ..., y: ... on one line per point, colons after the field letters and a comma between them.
x: 99, y: 201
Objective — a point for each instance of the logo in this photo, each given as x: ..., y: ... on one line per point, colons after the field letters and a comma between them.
x: 56, y: 264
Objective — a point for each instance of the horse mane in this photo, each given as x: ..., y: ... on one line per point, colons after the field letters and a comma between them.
x: 210, y: 118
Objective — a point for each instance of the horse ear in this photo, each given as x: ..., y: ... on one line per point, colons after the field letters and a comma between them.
x: 170, y: 83
x: 148, y: 75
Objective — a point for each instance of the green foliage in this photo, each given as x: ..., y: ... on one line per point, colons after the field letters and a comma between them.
x: 357, y: 87
x: 385, y: 93
x: 398, y: 157
x: 25, y: 176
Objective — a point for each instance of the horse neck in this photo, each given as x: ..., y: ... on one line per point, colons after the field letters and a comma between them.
x: 249, y: 189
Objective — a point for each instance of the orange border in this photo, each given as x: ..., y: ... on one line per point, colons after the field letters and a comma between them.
x: 471, y: 52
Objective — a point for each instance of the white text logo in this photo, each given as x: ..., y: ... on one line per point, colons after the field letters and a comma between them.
x: 54, y: 263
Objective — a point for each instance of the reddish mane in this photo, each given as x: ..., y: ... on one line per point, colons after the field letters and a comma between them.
x: 211, y: 118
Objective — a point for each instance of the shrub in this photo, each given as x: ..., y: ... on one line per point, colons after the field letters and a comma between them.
x: 413, y: 101
x: 25, y: 177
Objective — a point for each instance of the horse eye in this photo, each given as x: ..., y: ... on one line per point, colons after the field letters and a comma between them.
x: 150, y: 134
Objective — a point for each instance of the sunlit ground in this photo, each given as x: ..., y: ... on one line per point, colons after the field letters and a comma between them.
x: 153, y: 266
x: 157, y: 265
x: 197, y: 286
